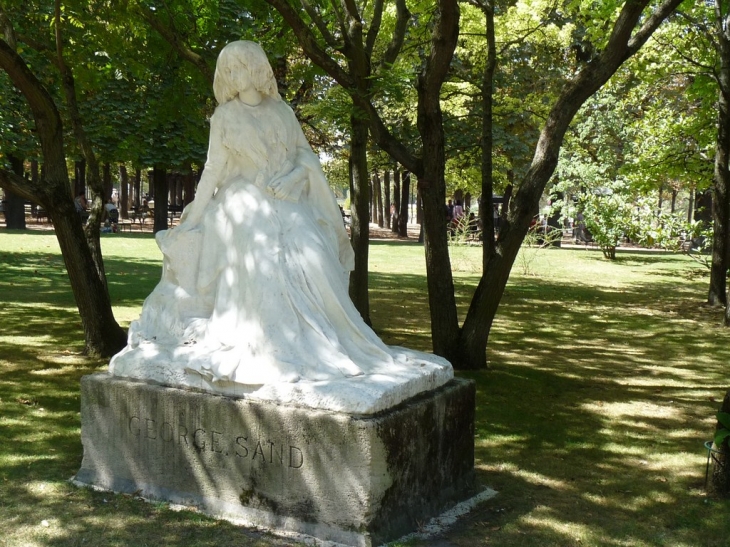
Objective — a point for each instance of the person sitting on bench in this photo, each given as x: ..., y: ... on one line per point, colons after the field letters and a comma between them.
x: 111, y: 215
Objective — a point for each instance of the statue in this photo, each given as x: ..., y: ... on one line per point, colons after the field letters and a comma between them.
x: 253, y: 299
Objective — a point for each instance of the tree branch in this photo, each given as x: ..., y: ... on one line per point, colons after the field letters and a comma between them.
x: 316, y: 18
x: 16, y: 184
x: 650, y: 25
x: 312, y: 49
x: 7, y: 29
x: 399, y: 34
x: 309, y: 43
x: 339, y: 16
x: 178, y: 44
x: 45, y: 114
x: 444, y: 37
x: 374, y: 27
x: 69, y: 87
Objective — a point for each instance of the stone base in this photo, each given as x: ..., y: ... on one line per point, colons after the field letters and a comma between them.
x: 357, y: 480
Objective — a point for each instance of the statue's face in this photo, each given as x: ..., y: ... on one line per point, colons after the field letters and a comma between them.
x: 243, y: 80
x: 237, y: 75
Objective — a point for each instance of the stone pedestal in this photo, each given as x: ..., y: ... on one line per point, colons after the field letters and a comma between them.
x: 357, y: 480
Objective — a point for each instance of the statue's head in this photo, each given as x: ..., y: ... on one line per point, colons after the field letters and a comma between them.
x: 241, y: 65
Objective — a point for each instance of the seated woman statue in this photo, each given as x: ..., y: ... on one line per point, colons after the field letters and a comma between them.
x: 253, y: 299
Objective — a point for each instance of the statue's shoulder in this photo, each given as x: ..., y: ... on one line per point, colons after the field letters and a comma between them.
x: 285, y: 112
x: 223, y: 110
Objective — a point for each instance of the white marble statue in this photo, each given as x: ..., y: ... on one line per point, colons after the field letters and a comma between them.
x: 253, y: 299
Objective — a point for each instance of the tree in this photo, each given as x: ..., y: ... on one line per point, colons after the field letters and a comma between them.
x: 17, y: 144
x: 631, y: 28
x: 700, y: 47
x: 608, y: 218
x: 721, y: 198
x: 103, y: 336
x: 465, y: 347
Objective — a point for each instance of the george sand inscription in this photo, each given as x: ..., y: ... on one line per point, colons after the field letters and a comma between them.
x: 240, y: 445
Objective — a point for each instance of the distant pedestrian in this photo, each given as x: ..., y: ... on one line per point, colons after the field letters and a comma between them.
x: 458, y: 211
x: 82, y: 206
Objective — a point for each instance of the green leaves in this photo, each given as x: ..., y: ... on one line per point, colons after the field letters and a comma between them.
x: 724, y: 432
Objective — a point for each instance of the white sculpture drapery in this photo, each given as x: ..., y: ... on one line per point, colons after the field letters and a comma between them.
x: 253, y: 299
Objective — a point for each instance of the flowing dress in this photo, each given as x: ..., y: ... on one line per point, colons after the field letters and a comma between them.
x: 254, y: 291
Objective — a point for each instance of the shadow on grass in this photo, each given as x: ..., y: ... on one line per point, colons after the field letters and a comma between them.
x: 592, y: 417
x: 590, y: 421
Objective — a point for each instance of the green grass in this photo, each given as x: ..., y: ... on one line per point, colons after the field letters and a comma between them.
x: 603, y: 381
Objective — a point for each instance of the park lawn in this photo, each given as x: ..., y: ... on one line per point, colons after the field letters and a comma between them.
x: 603, y: 381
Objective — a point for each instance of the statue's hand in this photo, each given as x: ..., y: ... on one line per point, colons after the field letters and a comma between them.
x: 289, y: 186
x: 190, y: 215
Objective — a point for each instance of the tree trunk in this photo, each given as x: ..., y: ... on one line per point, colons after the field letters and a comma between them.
x: 691, y: 205
x: 432, y: 189
x: 103, y: 335
x: 15, y: 204
x: 404, y: 200
x: 188, y: 188
x: 395, y: 225
x: 124, y: 191
x: 14, y: 212
x: 79, y: 177
x: 721, y: 193
x: 386, y: 201
x: 106, y: 181
x: 359, y: 215
x: 378, y: 200
x: 151, y: 184
x: 137, y: 188
x: 159, y: 182
x: 486, y: 204
x: 373, y: 212
x: 719, y: 472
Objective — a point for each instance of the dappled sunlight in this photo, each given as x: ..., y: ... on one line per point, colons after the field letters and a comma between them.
x: 619, y: 449
x: 26, y: 340
x: 487, y: 441
x: 26, y: 459
x: 59, y: 359
x: 633, y: 409
x: 530, y: 477
x: 42, y: 487
x: 570, y: 532
x: 608, y: 384
x: 603, y: 384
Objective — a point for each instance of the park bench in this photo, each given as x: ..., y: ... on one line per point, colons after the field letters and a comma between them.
x: 40, y: 214
x: 138, y: 215
x: 125, y: 225
x: 174, y: 211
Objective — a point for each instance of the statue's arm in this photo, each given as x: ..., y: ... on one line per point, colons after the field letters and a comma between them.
x: 290, y: 184
x: 212, y: 174
x: 323, y: 199
x: 296, y: 175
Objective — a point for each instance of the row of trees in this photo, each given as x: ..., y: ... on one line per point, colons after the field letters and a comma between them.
x: 478, y: 95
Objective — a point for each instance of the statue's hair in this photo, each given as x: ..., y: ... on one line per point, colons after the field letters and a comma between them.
x: 243, y: 60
